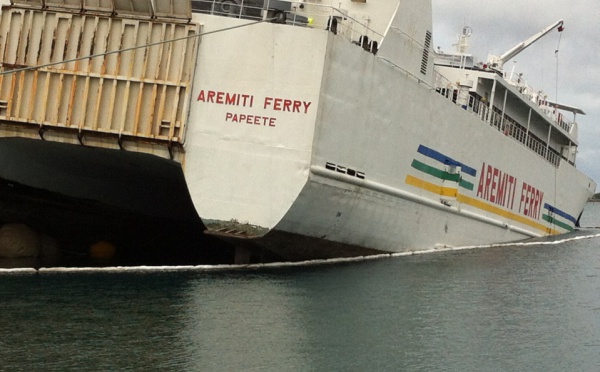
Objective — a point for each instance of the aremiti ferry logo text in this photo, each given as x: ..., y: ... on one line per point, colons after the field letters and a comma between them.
x: 503, y: 189
x: 277, y: 104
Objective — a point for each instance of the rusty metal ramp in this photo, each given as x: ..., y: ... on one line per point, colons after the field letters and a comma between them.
x: 120, y: 68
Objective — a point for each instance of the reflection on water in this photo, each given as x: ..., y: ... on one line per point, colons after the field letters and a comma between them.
x: 256, y: 318
x: 520, y: 307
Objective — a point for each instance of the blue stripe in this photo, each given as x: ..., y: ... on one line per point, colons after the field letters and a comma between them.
x: 446, y: 160
x: 559, y: 212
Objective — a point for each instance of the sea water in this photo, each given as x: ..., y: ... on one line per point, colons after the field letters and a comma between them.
x: 523, y: 307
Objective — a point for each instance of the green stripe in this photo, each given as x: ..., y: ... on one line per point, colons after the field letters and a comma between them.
x: 556, y: 222
x: 466, y: 184
x: 442, y: 174
x: 435, y: 172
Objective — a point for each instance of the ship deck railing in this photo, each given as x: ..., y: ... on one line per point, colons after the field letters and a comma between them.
x: 325, y: 16
x: 249, y: 9
x: 538, y: 97
x: 505, y: 125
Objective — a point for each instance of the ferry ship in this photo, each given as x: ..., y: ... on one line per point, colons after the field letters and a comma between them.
x: 297, y: 130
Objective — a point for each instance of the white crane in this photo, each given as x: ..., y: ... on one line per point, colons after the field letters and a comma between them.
x: 497, y: 62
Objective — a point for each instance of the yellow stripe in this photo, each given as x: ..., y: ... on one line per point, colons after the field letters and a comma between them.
x: 501, y: 212
x: 439, y: 190
x: 445, y: 191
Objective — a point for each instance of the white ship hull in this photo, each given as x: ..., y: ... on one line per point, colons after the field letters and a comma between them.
x: 346, y: 174
x: 296, y: 141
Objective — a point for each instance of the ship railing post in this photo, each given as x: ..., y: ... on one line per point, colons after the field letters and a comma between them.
x: 493, y: 97
x: 528, y: 124
x: 265, y: 9
x: 548, y: 142
x: 503, y: 110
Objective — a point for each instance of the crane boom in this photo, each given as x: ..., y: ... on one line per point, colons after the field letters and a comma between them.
x: 498, y: 62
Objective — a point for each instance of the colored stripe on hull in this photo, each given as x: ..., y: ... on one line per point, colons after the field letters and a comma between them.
x: 436, y: 189
x: 431, y: 153
x: 557, y: 211
x: 552, y: 215
x: 556, y: 222
x: 504, y: 213
x: 444, y: 175
x: 451, y: 192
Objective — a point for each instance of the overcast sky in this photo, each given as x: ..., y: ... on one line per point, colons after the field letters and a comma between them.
x: 501, y: 24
